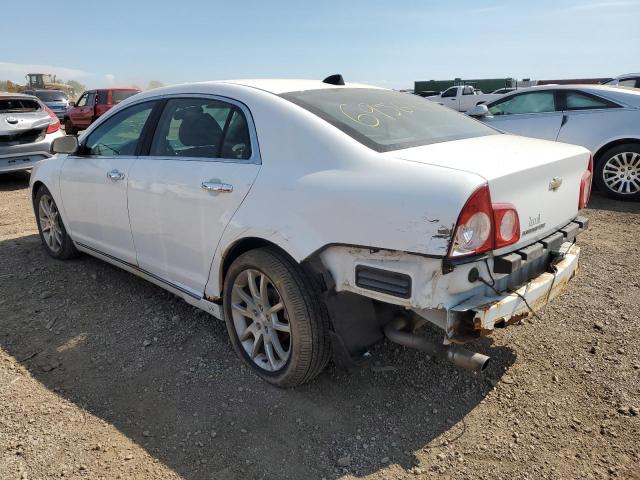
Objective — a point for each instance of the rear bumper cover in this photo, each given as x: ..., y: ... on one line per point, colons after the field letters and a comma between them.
x: 489, y: 312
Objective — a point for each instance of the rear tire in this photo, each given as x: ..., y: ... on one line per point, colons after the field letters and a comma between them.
x: 617, y: 172
x: 68, y: 127
x: 279, y: 326
x: 53, y: 233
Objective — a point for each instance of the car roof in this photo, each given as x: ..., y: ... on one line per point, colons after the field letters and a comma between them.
x: 284, y: 85
x: 16, y: 95
x: 626, y: 75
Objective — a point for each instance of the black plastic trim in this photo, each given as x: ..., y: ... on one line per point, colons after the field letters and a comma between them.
x: 384, y: 281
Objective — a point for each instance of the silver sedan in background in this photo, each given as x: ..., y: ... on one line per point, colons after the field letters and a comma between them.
x: 604, y: 119
x: 27, y: 129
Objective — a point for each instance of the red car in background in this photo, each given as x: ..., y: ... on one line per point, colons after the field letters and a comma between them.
x: 91, y: 105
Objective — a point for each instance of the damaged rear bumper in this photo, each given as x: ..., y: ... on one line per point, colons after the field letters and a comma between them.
x: 480, y: 314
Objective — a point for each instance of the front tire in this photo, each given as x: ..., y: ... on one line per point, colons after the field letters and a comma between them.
x: 277, y: 323
x: 617, y: 172
x: 53, y: 233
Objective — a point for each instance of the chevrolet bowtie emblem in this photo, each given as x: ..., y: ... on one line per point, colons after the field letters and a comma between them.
x: 555, y: 183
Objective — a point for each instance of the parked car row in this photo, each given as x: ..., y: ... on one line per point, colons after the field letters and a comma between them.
x: 604, y: 119
x: 318, y: 217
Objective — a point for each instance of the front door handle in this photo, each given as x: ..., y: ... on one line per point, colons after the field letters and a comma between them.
x: 115, y: 175
x: 217, y: 187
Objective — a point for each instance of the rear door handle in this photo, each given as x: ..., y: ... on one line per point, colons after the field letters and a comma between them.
x: 115, y: 175
x: 217, y: 187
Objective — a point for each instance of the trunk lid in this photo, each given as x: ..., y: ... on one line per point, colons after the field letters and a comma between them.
x: 540, y: 178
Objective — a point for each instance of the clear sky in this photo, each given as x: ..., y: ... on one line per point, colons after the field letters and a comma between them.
x: 383, y: 42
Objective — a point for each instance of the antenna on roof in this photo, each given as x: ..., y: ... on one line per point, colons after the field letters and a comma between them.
x: 335, y: 79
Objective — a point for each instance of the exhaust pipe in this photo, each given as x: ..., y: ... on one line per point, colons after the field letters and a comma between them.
x: 457, y: 355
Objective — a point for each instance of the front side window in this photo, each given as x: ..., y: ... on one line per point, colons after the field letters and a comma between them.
x: 450, y: 92
x: 82, y: 101
x: 385, y: 120
x: 579, y: 101
x: 533, y: 102
x: 119, y: 135
x: 201, y: 128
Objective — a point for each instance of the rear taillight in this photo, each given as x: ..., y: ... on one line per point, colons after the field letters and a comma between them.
x: 585, y: 185
x: 507, y: 224
x: 54, y: 126
x: 483, y: 226
x: 475, y: 224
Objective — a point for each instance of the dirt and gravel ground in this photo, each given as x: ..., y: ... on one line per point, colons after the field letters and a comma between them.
x: 105, y: 376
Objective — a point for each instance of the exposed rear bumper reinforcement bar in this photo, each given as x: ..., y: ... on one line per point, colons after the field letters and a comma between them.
x: 499, y: 310
x: 457, y: 355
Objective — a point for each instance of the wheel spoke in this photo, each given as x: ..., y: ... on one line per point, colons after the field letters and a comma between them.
x: 249, y: 332
x: 275, y: 308
x: 268, y: 348
x: 277, y: 346
x: 280, y: 326
x: 244, y: 311
x: 252, y: 285
x: 264, y: 297
x: 243, y: 295
x: 258, y: 341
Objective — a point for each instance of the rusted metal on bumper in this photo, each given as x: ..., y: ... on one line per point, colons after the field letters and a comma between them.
x: 500, y: 310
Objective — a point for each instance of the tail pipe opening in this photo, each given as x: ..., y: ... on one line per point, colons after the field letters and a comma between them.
x: 457, y: 355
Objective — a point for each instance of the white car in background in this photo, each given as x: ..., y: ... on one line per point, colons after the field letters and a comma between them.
x: 462, y: 97
x: 628, y: 80
x: 606, y: 120
x: 318, y: 217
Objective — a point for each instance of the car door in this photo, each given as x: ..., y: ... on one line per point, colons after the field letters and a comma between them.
x: 93, y: 183
x: 75, y: 112
x: 449, y: 98
x: 86, y: 111
x: 531, y: 114
x: 202, y: 161
x: 589, y: 120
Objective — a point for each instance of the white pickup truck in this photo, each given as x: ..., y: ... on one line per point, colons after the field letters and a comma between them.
x: 463, y: 97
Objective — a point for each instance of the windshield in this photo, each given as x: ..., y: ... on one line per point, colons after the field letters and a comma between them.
x: 53, y: 96
x: 385, y: 120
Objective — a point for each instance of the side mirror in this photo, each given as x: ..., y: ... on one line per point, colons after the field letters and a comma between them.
x: 478, y: 111
x: 66, y: 144
x: 72, y: 104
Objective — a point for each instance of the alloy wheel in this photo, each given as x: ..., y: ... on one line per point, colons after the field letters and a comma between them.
x: 621, y: 173
x: 50, y: 225
x: 260, y: 320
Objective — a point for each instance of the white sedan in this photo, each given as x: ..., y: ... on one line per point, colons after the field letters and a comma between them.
x: 606, y: 120
x: 318, y: 217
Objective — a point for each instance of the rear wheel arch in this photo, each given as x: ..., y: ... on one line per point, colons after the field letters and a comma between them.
x: 597, y: 156
x: 240, y: 247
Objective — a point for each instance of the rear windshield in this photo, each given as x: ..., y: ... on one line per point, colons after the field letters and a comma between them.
x: 385, y: 120
x: 18, y: 105
x: 52, y: 96
x: 119, y: 95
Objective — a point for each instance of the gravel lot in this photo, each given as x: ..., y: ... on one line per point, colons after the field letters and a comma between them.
x: 105, y: 376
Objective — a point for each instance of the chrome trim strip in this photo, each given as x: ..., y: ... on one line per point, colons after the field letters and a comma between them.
x: 141, y: 270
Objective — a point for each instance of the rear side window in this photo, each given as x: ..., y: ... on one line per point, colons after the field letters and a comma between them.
x: 119, y: 95
x: 580, y: 101
x: 201, y: 128
x: 119, y: 135
x: 102, y: 97
x: 16, y: 105
x: 533, y: 102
